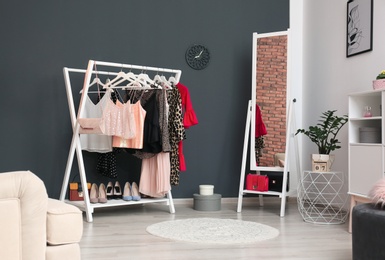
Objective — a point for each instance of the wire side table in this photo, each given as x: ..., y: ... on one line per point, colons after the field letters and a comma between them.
x: 319, y: 197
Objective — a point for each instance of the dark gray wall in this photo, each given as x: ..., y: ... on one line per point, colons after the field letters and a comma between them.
x: 39, y: 38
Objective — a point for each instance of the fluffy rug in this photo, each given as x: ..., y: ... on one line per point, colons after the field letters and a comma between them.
x: 213, y: 230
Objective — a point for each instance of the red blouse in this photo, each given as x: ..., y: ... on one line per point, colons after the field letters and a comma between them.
x: 189, y: 119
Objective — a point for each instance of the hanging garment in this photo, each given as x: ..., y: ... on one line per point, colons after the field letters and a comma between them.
x: 94, y: 142
x: 155, y: 176
x: 152, y: 140
x: 260, y: 128
x: 136, y: 142
x: 118, y: 120
x: 260, y: 131
x: 152, y: 143
x: 189, y: 116
x: 163, y: 119
x: 189, y: 119
x: 177, y: 132
x: 106, y: 165
x: 259, y: 145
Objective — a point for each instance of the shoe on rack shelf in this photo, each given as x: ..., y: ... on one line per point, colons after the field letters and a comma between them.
x: 127, y: 192
x: 94, y: 193
x: 102, y: 193
x: 110, y: 191
x: 135, y: 191
x: 117, y: 191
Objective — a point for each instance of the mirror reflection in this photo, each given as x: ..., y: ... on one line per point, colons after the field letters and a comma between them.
x: 269, y: 99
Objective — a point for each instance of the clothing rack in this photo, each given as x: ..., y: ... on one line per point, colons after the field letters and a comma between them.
x: 76, y: 144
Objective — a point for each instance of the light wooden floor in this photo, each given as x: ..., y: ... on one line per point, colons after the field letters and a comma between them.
x: 120, y: 233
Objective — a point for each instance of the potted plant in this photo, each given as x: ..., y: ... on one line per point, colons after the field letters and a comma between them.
x: 379, y: 83
x: 324, y: 135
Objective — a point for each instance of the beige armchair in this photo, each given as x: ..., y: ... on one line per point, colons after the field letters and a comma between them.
x: 32, y: 226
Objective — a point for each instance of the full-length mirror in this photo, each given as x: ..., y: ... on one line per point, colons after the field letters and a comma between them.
x: 269, y: 99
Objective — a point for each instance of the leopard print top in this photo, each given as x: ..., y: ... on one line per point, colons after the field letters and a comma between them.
x: 177, y: 132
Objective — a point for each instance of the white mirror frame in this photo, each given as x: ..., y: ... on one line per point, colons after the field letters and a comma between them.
x: 256, y: 36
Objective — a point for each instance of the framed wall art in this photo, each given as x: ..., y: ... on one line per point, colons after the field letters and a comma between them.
x: 359, y: 27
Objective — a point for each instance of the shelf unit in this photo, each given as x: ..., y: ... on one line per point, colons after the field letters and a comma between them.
x: 366, y: 160
x: 85, y: 205
x: 118, y: 203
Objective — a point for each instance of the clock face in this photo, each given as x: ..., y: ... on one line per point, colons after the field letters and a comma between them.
x: 197, y: 57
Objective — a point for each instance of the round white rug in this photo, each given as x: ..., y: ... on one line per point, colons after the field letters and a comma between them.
x: 213, y: 230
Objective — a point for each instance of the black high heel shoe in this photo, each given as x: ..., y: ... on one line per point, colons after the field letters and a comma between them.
x: 117, y: 191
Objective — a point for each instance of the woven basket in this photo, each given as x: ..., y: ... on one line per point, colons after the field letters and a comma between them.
x: 379, y: 84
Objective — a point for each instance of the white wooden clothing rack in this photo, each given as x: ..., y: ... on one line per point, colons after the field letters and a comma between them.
x: 76, y: 144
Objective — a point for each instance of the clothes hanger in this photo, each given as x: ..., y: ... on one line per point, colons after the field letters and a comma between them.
x: 134, y: 84
x: 165, y: 82
x: 145, y: 79
x: 157, y: 78
x: 172, y: 80
x: 130, y: 77
x: 162, y: 81
x: 95, y: 81
x: 158, y: 82
x: 120, y: 78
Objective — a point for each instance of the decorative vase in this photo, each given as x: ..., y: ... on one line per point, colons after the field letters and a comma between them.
x: 379, y: 84
x: 322, y: 162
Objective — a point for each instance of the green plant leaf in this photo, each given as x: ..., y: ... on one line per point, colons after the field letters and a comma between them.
x: 324, y: 133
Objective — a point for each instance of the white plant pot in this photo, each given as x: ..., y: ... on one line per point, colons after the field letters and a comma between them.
x: 322, y: 162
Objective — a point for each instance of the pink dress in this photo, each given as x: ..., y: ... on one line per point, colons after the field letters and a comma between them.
x: 155, y: 176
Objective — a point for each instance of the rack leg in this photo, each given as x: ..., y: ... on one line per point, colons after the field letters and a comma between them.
x: 170, y: 202
x: 83, y: 179
x: 289, y: 127
x: 283, y: 204
x: 261, y: 200
x: 244, y: 158
x: 68, y: 169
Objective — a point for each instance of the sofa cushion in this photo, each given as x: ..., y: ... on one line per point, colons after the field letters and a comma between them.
x: 10, y: 235
x: 368, y: 237
x: 31, y: 193
x: 63, y: 252
x: 64, y: 223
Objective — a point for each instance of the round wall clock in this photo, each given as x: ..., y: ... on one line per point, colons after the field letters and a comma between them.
x: 197, y: 57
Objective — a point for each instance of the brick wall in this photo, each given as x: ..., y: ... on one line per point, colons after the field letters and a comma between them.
x: 271, y: 94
